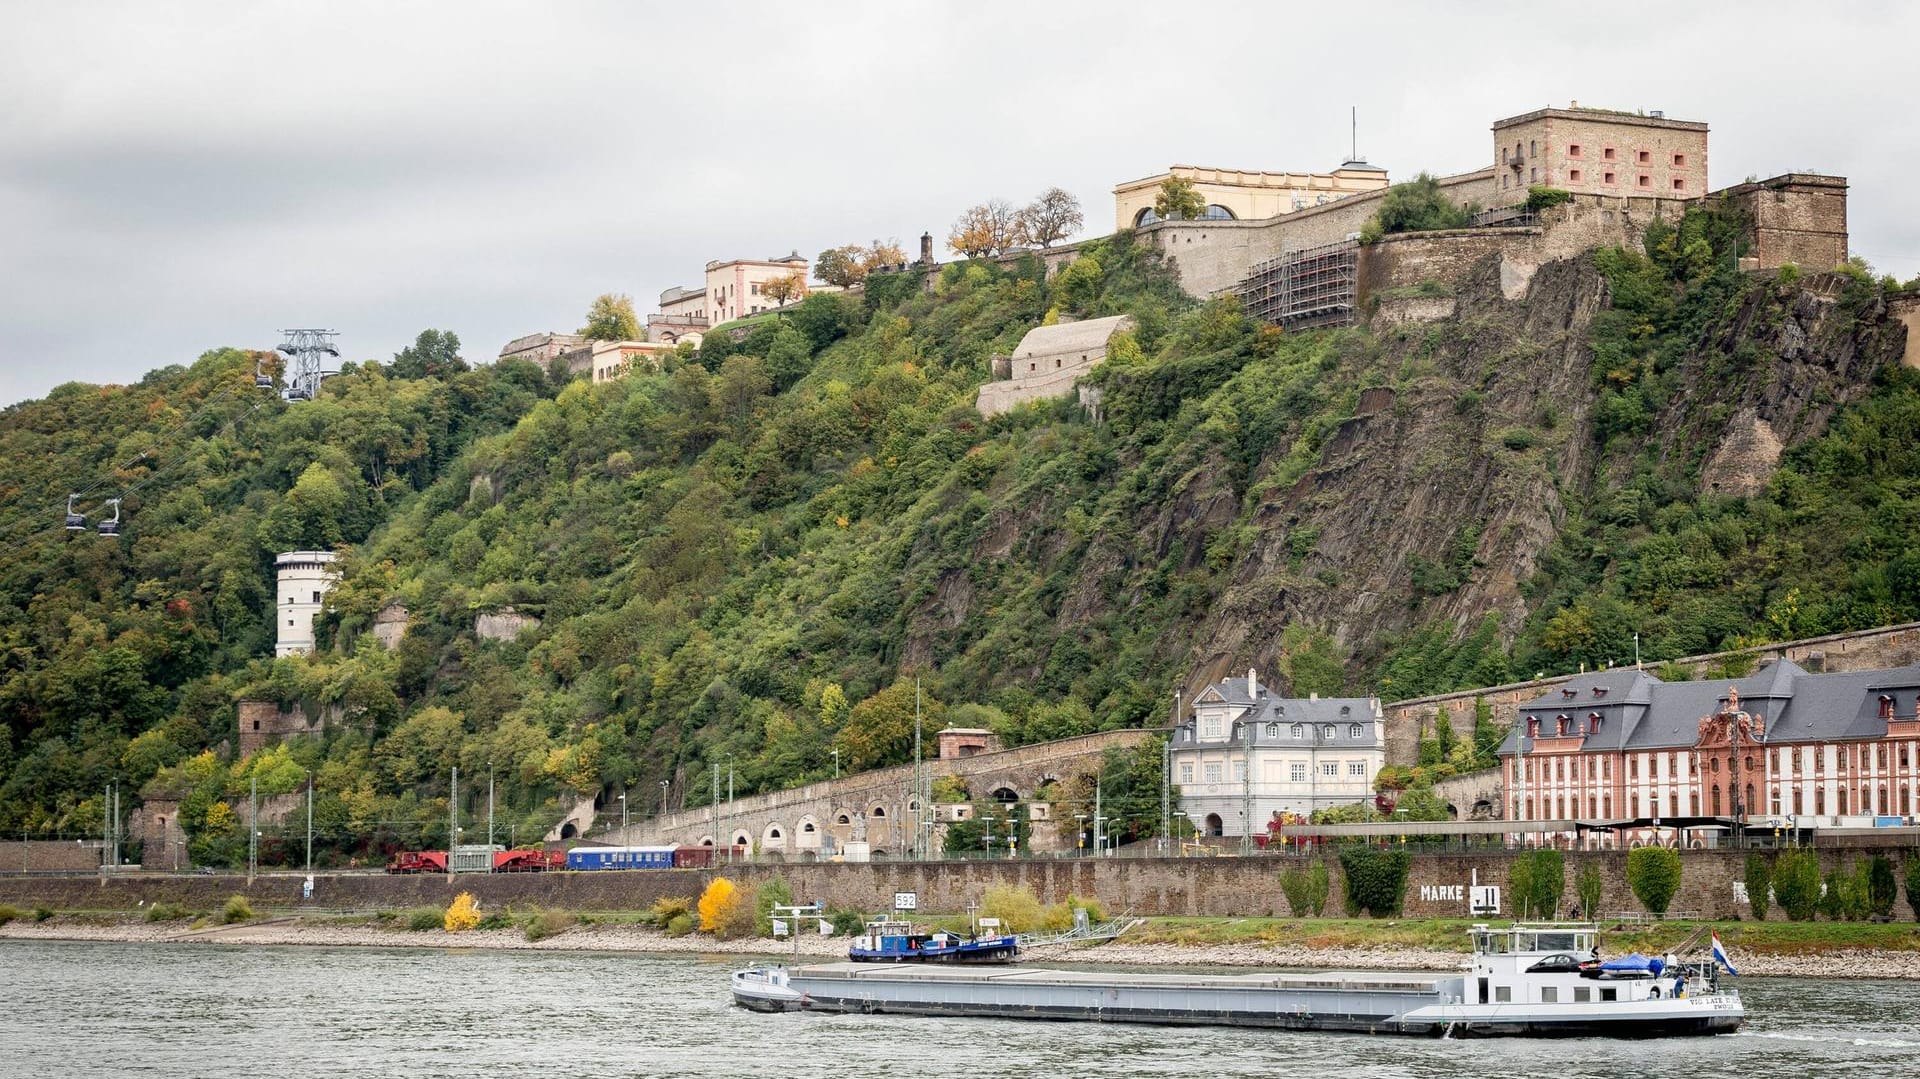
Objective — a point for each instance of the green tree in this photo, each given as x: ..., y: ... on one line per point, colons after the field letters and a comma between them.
x: 1654, y: 875
x: 1588, y: 885
x: 879, y: 730
x: 790, y: 358
x: 1376, y: 879
x: 433, y: 354
x: 1052, y: 216
x: 611, y: 318
x: 1177, y: 200
x: 1419, y: 205
x: 1796, y: 883
x: 1759, y: 881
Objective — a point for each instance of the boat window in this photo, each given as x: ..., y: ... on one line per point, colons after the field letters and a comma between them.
x: 1558, y: 942
x: 1502, y: 994
x: 1609, y: 994
x: 1549, y: 994
x: 1582, y: 995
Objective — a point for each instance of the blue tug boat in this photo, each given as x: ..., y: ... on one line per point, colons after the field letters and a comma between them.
x: 896, y: 942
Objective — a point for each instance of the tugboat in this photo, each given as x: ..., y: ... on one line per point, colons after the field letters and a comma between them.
x: 887, y: 941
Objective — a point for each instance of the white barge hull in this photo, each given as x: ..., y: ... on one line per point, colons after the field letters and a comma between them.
x: 1364, y: 1002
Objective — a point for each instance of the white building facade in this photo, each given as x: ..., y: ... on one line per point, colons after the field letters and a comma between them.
x: 304, y: 579
x: 1245, y: 755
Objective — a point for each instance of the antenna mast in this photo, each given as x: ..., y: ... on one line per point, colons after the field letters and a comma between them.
x: 1353, y: 150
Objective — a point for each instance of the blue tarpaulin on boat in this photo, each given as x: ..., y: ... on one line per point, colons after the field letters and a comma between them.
x: 1636, y: 962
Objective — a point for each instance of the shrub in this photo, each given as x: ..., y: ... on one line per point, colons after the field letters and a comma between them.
x: 1913, y: 884
x: 740, y: 917
x: 548, y: 923
x: 498, y: 919
x: 8, y: 914
x: 462, y: 914
x: 679, y: 925
x: 1588, y: 885
x: 41, y: 914
x: 1376, y: 879
x: 422, y: 919
x: 1654, y: 875
x: 775, y: 892
x: 1796, y: 884
x: 1518, y: 438
x: 236, y: 910
x: 720, y: 895
x: 1880, y: 886
x: 1018, y: 909
x: 1759, y: 881
x: 1295, y: 886
x: 1833, y: 895
x: 163, y: 912
x: 1541, y: 197
x: 666, y: 910
x: 847, y: 922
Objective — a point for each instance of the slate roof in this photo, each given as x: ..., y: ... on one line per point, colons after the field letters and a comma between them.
x: 1088, y: 336
x: 1640, y: 712
x: 1312, y: 715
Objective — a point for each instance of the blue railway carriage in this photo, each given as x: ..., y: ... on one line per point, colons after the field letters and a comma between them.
x: 620, y: 858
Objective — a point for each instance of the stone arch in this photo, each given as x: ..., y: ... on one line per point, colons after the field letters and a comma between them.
x: 742, y: 839
x: 706, y: 841
x: 1214, y: 824
x: 841, y: 816
x: 774, y: 837
x: 1145, y: 217
x: 807, y: 836
x: 878, y: 811
x: 1005, y: 794
x: 1482, y: 810
x: 567, y: 831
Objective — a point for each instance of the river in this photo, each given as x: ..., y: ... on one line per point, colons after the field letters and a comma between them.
x: 79, y: 1010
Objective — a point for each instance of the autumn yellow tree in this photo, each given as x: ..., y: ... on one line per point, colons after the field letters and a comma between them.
x: 463, y: 914
x: 716, y: 903
x: 987, y: 229
x: 611, y: 318
x: 878, y: 254
x: 879, y: 730
x: 841, y: 266
x: 785, y: 290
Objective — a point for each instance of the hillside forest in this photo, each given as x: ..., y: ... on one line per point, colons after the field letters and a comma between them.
x: 750, y: 556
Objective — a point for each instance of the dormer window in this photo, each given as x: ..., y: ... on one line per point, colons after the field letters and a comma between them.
x: 1353, y: 731
x: 1533, y: 727
x: 1886, y: 706
x: 1298, y: 731
x: 1563, y: 724
x: 1273, y: 730
x: 1599, y: 691
x: 1569, y: 693
x: 1593, y: 723
x: 1210, y: 726
x: 1345, y: 709
x: 1327, y: 732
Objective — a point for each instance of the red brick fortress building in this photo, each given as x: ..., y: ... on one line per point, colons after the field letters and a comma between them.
x: 1828, y: 750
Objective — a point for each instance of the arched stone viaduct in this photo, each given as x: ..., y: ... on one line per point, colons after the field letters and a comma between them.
x: 794, y: 823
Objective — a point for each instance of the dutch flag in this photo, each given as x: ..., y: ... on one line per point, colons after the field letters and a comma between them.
x: 1720, y: 956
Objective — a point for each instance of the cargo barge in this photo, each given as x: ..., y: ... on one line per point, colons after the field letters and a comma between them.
x: 1524, y: 980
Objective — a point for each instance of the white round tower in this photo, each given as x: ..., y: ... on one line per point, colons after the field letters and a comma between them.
x: 305, y: 577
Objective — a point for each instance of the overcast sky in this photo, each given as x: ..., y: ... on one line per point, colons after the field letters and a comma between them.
x: 179, y: 177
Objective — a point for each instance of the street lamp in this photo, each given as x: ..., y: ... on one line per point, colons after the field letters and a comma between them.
x: 623, y: 816
x: 1080, y: 835
x: 663, y: 797
x: 986, y: 837
x: 836, y: 764
x: 1180, y: 828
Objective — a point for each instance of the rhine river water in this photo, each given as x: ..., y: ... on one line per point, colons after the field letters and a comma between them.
x: 72, y: 1010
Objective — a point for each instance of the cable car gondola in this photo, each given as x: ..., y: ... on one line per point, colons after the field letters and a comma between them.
x: 111, y: 526
x: 76, y: 522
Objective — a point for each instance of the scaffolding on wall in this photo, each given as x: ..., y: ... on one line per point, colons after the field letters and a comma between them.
x: 1306, y: 289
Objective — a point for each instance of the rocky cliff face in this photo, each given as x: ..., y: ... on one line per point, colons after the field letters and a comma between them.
x: 1437, y: 499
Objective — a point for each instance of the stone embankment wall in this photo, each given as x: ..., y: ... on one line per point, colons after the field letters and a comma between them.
x: 1188, y: 887
x: 49, y: 855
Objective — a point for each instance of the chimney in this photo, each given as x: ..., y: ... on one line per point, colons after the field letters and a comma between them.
x: 926, y: 248
x: 1253, y: 684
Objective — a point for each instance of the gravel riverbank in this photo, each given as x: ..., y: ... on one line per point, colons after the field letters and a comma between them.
x: 1848, y: 963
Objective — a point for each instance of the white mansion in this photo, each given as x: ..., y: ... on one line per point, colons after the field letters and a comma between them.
x: 1245, y: 754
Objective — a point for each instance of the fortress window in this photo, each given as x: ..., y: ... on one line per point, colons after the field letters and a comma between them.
x: 1606, y: 177
x: 1679, y: 161
x: 1533, y: 147
x: 1679, y: 184
x: 1644, y: 157
x: 1607, y: 153
x: 1646, y: 181
x: 1573, y: 175
x: 1533, y: 175
x: 1573, y: 150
